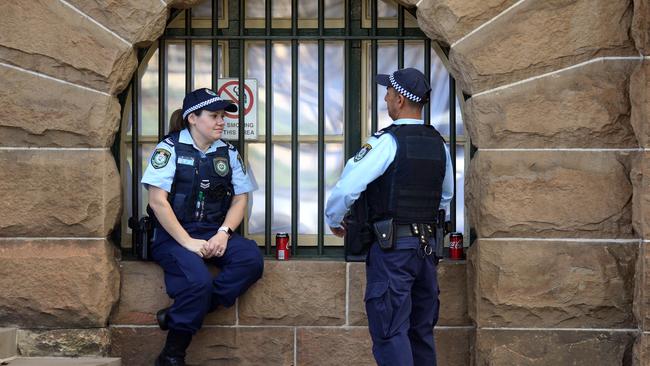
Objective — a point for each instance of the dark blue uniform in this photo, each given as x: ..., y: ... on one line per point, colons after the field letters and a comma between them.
x: 181, y: 169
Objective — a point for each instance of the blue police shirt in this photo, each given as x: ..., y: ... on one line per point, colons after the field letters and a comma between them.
x: 163, y: 176
x: 365, y: 168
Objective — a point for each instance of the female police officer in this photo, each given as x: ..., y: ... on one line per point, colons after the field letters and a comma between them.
x: 198, y: 190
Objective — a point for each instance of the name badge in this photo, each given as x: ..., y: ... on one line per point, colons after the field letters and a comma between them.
x: 185, y: 160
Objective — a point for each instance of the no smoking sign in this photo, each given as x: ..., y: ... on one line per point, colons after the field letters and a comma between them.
x: 229, y: 89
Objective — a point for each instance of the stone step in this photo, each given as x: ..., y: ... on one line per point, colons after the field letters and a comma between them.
x: 8, y: 345
x: 64, y: 361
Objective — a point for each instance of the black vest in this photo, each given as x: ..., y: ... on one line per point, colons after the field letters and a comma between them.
x: 202, y: 190
x: 410, y: 189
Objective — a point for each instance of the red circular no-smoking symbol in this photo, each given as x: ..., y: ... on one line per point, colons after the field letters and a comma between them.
x: 231, y: 94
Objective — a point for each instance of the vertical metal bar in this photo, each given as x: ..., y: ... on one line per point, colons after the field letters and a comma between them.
x: 215, y: 44
x: 294, y: 128
x: 162, y: 87
x: 452, y: 143
x: 373, y: 61
x: 400, y: 41
x: 242, y: 91
x: 189, y: 75
x: 268, y: 194
x: 135, y: 156
x: 427, y: 73
x: 321, y: 127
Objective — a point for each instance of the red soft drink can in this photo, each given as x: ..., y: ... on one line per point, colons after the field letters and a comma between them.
x: 456, y: 246
x: 282, y: 247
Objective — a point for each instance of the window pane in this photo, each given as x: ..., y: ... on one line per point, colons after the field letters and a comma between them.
x: 255, y: 9
x: 334, y: 87
x: 175, y: 76
x: 334, y: 162
x: 281, y: 188
x: 202, y: 59
x: 386, y: 64
x: 256, y: 69
x: 281, y: 88
x: 308, y: 9
x: 460, y: 188
x: 257, y: 165
x: 149, y: 98
x: 202, y: 10
x: 308, y: 88
x: 308, y: 189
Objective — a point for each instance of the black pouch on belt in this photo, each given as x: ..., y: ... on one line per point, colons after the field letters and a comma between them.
x: 385, y: 233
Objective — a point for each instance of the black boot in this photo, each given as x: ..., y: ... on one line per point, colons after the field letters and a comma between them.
x: 174, y: 352
x: 161, y: 317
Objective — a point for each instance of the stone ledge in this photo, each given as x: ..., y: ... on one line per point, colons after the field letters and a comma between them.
x: 542, y: 348
x: 555, y: 284
x: 211, y: 345
x: 63, y: 342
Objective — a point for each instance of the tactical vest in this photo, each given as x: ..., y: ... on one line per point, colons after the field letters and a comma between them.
x: 202, y: 190
x: 410, y: 189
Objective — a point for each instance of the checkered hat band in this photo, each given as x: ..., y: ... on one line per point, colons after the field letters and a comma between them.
x: 403, y: 91
x: 201, y: 105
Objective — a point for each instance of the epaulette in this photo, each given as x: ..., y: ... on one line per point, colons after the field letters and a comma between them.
x: 168, y: 141
x: 378, y: 133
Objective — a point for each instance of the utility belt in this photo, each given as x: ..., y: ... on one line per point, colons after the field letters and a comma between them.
x: 387, y: 232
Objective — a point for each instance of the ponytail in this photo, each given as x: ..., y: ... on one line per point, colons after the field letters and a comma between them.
x: 176, y: 122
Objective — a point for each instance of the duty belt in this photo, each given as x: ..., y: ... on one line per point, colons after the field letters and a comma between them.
x: 422, y: 231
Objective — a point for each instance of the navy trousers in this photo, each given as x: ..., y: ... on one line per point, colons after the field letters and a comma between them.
x: 189, y: 282
x: 402, y: 304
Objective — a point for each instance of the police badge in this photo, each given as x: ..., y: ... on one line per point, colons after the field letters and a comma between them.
x: 160, y: 158
x: 221, y: 166
x: 364, y: 150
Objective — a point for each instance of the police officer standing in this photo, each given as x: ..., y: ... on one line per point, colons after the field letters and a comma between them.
x: 406, y: 173
x: 198, y: 191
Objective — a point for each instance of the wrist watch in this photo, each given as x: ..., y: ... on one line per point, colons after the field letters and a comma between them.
x: 226, y: 230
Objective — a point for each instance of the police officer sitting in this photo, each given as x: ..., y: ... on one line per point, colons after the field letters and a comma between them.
x: 406, y: 173
x: 198, y: 190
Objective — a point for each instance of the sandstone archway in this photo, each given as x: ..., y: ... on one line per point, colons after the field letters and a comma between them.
x: 558, y: 108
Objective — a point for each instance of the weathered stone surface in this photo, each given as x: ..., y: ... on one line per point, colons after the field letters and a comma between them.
x: 57, y: 283
x: 640, y: 99
x: 54, y: 193
x: 137, y: 21
x: 182, y: 4
x: 641, y: 26
x: 550, y: 194
x: 334, y: 346
x: 583, y: 107
x: 642, y: 350
x: 211, y: 346
x: 449, y: 20
x: 472, y: 281
x: 452, y: 280
x: 556, y: 284
x: 640, y: 177
x: 42, y: 112
x: 531, y: 348
x: 63, y: 342
x: 143, y: 293
x: 51, y: 38
x: 296, y: 293
x: 642, y: 288
x: 353, y: 346
x: 541, y: 36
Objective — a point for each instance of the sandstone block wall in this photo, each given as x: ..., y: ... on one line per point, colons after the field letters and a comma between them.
x: 557, y: 107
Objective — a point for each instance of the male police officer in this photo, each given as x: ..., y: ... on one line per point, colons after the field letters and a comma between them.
x: 406, y: 172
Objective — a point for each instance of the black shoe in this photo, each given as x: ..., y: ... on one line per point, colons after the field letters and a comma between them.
x: 161, y: 317
x: 163, y: 360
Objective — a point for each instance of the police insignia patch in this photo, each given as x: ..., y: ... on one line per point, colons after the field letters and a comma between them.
x: 364, y: 150
x: 220, y: 166
x: 160, y: 158
x: 241, y: 163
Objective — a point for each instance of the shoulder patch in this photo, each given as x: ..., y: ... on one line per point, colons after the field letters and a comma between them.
x: 362, y: 153
x: 160, y: 158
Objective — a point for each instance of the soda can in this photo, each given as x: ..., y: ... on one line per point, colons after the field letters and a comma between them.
x: 282, y: 247
x: 456, y: 246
